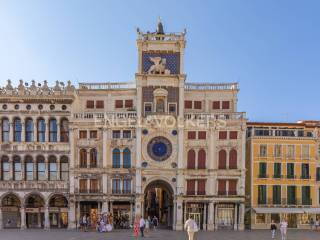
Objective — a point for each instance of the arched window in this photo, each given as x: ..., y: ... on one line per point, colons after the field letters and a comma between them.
x: 116, y: 158
x: 5, y: 130
x: 64, y: 168
x: 29, y: 130
x: 41, y: 168
x: 233, y: 159
x: 53, y: 175
x: 17, y: 176
x: 41, y: 127
x: 28, y: 168
x: 126, y: 158
x: 222, y: 159
x: 191, y: 162
x: 83, y: 158
x: 53, y: 130
x: 64, y: 130
x: 201, y: 159
x: 93, y: 158
x: 17, y: 130
x: 5, y: 168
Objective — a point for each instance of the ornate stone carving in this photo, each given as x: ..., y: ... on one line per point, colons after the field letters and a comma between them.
x: 159, y: 66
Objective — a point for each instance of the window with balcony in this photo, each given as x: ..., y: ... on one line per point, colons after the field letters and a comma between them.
x: 5, y: 168
x: 126, y: 186
x: 116, y: 134
x: 222, y: 164
x: 290, y: 170
x: 277, y: 170
x: 17, y: 174
x: 116, y: 158
x: 191, y: 159
x: 41, y: 126
x: 291, y: 195
x: 262, y: 170
x: 263, y: 150
x: 191, y: 187
x: 126, y: 158
x: 17, y: 129
x: 202, y: 159
x: 305, y: 193
x: 116, y: 186
x: 276, y: 194
x: 233, y: 159
x: 201, y: 187
x: 53, y: 130
x: 28, y: 168
x: 5, y: 130
x: 29, y: 130
x: 53, y: 168
x: 262, y: 194
x: 222, y: 187
x: 277, y: 150
x: 305, y: 171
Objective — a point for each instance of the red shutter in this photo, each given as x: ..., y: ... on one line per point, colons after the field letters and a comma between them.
x: 128, y: 103
x: 197, y: 104
x: 191, y: 135
x: 188, y: 104
x: 119, y: 104
x: 232, y: 187
x: 90, y: 104
x: 216, y: 105
x: 225, y: 104
x: 191, y: 162
x: 223, y: 135
x: 99, y: 104
x: 222, y: 187
x: 201, y: 187
x: 202, y: 135
x: 191, y: 187
x: 233, y: 135
x: 233, y: 159
x: 222, y: 159
x: 202, y: 159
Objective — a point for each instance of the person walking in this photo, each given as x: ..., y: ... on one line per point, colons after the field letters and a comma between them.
x: 311, y: 222
x: 85, y: 223
x: 147, y: 221
x: 142, y: 226
x: 155, y: 222
x: 136, y: 227
x: 273, y: 228
x: 317, y: 223
x: 191, y: 227
x: 283, y: 229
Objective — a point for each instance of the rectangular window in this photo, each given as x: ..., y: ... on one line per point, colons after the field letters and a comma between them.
x: 290, y: 170
x: 93, y: 134
x: 197, y: 104
x: 119, y: 104
x: 100, y: 104
x: 29, y: 171
x: 202, y: 135
x: 94, y: 185
x: 83, y: 134
x: 262, y: 170
x: 172, y: 108
x: 201, y: 187
x: 147, y: 108
x: 277, y: 150
x: 41, y: 168
x: 277, y: 170
x: 216, y: 105
x: 116, y: 186
x: 260, y: 218
x: 262, y: 194
x: 128, y: 103
x: 290, y: 151
x: 64, y: 170
x: 276, y: 194
x: 17, y: 171
x: 225, y: 105
x: 222, y: 187
x: 291, y: 195
x: 191, y: 135
x: 5, y: 171
x: 305, y: 192
x: 90, y: 104
x: 83, y: 185
x: 222, y: 134
x: 232, y: 187
x: 305, y: 152
x: 304, y: 171
x: 116, y: 134
x: 191, y: 187
x: 187, y: 104
x: 126, y: 134
x: 318, y: 174
x: 263, y: 150
x: 127, y: 186
x: 52, y: 171
x: 233, y: 134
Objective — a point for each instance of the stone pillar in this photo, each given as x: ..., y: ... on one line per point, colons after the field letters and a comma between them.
x: 104, y: 160
x: 138, y: 161
x: 205, y: 217
x: 241, y: 216
x: 1, y: 221
x: 22, y: 218
x: 58, y: 129
x: 216, y: 224
x: 78, y: 213
x: 105, y: 206
x: 174, y: 215
x: 72, y: 215
x: 72, y: 160
x: 210, y: 216
x: 179, y: 223
x: 235, y: 227
x: 46, y: 218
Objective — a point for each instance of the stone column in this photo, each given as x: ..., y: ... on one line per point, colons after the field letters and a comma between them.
x: 105, y: 206
x: 72, y: 160
x: 72, y: 216
x: 58, y: 129
x: 138, y: 161
x: 241, y: 216
x: 1, y: 221
x: 179, y: 223
x: 174, y: 215
x: 235, y: 227
x: 210, y: 216
x: 46, y: 218
x: 22, y: 218
x: 205, y: 217
x: 216, y: 224
x: 104, y: 161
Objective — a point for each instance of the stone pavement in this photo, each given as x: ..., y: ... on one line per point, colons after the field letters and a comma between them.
x: 153, y: 235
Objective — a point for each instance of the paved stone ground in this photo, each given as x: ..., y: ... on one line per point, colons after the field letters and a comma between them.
x: 153, y: 235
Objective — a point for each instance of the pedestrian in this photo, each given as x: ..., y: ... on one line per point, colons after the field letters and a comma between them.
x: 147, y: 221
x: 85, y: 223
x: 283, y: 229
x: 191, y: 227
x: 273, y: 228
x: 317, y: 224
x: 311, y: 222
x: 155, y: 222
x: 142, y: 225
x: 136, y: 227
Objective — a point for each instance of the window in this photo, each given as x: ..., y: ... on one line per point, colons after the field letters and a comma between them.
x: 126, y: 186
x: 172, y: 108
x: 83, y: 158
x: 262, y: 170
x: 93, y: 134
x: 93, y: 158
x: 263, y: 150
x: 41, y: 168
x: 90, y: 104
x: 94, y: 185
x: 290, y: 170
x: 202, y: 135
x: 53, y: 168
x: 305, y: 192
x: 225, y: 105
x: 222, y: 187
x: 191, y: 161
x: 191, y: 135
x: 291, y: 195
x: 116, y: 158
x: 276, y: 194
x: 216, y: 105
x: 83, y: 134
x: 160, y: 105
x: 290, y: 151
x: 119, y: 104
x: 188, y: 104
x: 116, y: 186
x: 233, y: 159
x: 126, y: 158
x: 128, y: 103
x: 233, y: 134
x: 191, y: 187
x: 29, y: 130
x: 64, y: 168
x: 41, y: 126
x: 305, y: 152
x: 116, y: 134
x: 100, y: 104
x: 126, y: 134
x: 64, y: 130
x: 29, y: 168
x: 222, y: 159
x: 262, y: 194
x: 277, y: 170
x: 260, y: 218
x: 223, y: 135
x: 5, y: 168
x: 201, y: 187
x: 197, y: 104
x: 318, y: 174
x: 83, y: 185
x: 232, y: 187
x: 17, y: 176
x: 277, y: 150
x: 305, y: 171
x: 17, y: 130
x: 202, y: 159
x: 147, y: 108
x: 5, y: 130
x: 53, y: 130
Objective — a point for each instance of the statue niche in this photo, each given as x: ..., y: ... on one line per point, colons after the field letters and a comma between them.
x: 159, y: 66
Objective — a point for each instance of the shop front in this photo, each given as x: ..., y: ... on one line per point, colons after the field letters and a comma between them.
x: 196, y: 211
x: 89, y: 209
x: 10, y: 211
x: 121, y: 215
x: 225, y: 215
x: 58, y: 212
x: 34, y: 211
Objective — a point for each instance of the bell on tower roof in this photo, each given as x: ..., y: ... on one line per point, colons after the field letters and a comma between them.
x: 160, y: 27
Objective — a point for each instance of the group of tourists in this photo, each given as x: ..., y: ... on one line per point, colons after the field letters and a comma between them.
x: 314, y: 225
x: 144, y: 225
x: 102, y: 224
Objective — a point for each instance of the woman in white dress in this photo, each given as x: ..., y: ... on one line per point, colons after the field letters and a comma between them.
x: 283, y: 229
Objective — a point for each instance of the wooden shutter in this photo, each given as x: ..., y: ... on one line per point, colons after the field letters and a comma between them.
x: 222, y: 159
x: 225, y: 105
x: 100, y: 104
x: 191, y: 187
x: 222, y: 184
x: 232, y: 187
x: 197, y: 104
x: 216, y: 105
x: 233, y: 134
x: 223, y: 135
x: 191, y: 135
x: 90, y: 104
x: 191, y: 162
x: 119, y: 104
x: 201, y: 187
x: 201, y: 159
x: 188, y: 104
x: 233, y: 159
x: 202, y: 135
x: 128, y: 103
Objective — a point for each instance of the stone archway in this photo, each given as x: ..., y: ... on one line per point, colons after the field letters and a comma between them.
x: 10, y: 206
x: 158, y: 201
x: 58, y: 211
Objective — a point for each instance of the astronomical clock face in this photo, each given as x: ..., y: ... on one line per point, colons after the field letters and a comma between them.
x: 159, y: 149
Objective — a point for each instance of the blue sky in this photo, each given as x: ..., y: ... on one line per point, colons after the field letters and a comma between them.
x: 271, y: 47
